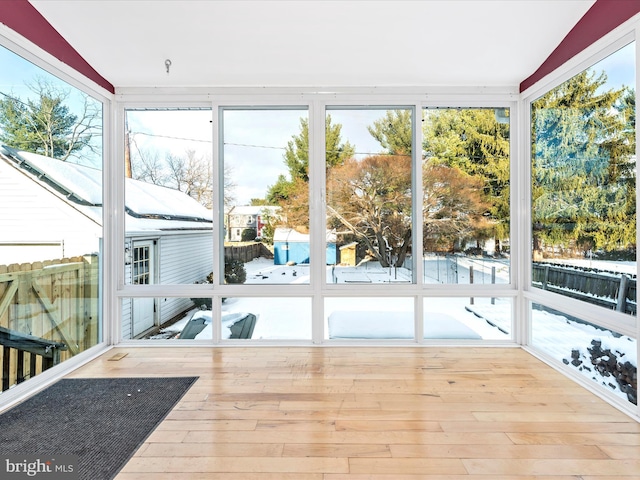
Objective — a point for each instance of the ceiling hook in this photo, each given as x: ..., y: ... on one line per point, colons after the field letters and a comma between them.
x: 167, y: 63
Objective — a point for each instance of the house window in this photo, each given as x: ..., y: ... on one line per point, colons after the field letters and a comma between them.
x: 393, y: 225
x: 168, y: 188
x: 141, y: 265
x: 583, y: 301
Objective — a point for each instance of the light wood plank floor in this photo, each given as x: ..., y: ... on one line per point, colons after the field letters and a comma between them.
x: 335, y: 413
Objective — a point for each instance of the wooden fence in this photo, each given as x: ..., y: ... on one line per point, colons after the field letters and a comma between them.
x: 49, y: 311
x: 247, y: 252
x: 611, y: 290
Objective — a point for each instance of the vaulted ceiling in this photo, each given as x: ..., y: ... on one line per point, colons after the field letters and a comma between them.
x: 314, y: 42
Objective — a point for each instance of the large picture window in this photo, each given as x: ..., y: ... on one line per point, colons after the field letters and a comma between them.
x: 168, y: 203
x: 369, y: 195
x: 262, y: 183
x: 466, y: 195
x: 584, y: 186
x: 51, y: 226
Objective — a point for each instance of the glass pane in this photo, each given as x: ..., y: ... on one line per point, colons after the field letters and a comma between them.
x: 370, y: 318
x: 602, y: 355
x: 50, y: 220
x: 168, y: 196
x: 584, y: 186
x: 464, y: 318
x: 164, y: 318
x: 273, y: 318
x: 369, y: 191
x: 465, y: 207
x: 266, y: 196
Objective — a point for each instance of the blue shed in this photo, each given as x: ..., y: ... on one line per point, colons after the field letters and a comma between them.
x: 292, y: 246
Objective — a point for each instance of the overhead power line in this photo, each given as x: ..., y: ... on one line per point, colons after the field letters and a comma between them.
x: 247, y: 145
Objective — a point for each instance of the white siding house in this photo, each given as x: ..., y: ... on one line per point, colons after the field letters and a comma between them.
x: 39, y: 222
x: 53, y: 209
x: 244, y: 217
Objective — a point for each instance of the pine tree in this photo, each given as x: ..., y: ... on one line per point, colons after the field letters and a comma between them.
x: 394, y: 132
x: 45, y: 125
x: 292, y: 192
x: 583, y: 165
x: 473, y: 141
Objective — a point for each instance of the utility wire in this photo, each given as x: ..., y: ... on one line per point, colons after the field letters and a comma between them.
x: 247, y: 145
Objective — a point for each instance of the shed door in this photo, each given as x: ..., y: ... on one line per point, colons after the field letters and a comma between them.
x: 143, y: 273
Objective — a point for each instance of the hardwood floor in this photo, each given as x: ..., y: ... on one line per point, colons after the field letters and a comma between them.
x: 338, y: 413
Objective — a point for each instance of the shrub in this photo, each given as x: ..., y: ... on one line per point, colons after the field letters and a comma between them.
x: 234, y: 271
x: 248, y: 235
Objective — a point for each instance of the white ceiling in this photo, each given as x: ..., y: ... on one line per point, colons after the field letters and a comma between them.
x: 314, y: 42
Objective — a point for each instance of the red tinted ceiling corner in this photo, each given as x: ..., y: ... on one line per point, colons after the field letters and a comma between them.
x: 22, y: 17
x: 600, y: 19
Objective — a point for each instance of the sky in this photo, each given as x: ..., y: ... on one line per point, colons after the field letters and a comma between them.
x: 619, y: 67
x: 254, y: 140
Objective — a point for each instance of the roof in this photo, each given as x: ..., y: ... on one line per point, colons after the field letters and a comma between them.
x: 148, y: 206
x: 291, y: 235
x: 252, y: 210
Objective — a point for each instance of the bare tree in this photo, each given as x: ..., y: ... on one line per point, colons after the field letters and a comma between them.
x: 191, y: 174
x: 372, y: 199
x: 149, y: 168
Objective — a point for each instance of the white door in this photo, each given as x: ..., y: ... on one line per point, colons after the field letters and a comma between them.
x: 143, y: 273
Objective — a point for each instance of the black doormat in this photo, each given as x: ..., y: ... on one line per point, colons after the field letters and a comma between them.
x: 100, y: 422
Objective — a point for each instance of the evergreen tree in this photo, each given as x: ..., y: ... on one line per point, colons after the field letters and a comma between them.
x: 394, y: 132
x: 292, y: 192
x: 583, y: 166
x: 296, y: 156
x: 475, y: 143
x: 45, y: 125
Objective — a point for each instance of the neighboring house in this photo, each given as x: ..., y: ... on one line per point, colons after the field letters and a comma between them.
x: 51, y: 209
x: 290, y: 246
x: 241, y: 218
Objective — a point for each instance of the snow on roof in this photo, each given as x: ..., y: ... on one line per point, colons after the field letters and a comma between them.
x: 291, y: 235
x: 252, y: 209
x: 147, y: 199
x: 85, y: 182
x: 82, y: 185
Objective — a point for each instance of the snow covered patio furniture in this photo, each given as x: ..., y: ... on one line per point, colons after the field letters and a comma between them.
x: 241, y: 325
x: 395, y: 325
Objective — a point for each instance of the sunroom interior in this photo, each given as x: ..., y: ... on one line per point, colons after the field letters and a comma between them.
x: 350, y: 174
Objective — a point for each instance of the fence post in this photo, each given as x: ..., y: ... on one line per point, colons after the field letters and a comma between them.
x: 471, y: 279
x: 493, y: 281
x: 546, y: 277
x: 621, y: 304
x: 91, y: 282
